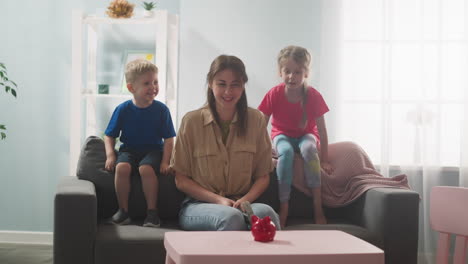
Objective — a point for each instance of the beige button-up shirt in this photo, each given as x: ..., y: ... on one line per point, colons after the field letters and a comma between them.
x: 228, y: 170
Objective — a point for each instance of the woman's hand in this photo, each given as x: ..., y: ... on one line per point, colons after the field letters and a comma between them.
x: 238, y: 204
x: 225, y: 201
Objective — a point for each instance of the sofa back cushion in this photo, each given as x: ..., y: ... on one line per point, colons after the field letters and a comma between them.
x: 91, y: 167
x: 270, y: 195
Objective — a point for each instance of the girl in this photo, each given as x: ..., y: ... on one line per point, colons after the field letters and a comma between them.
x: 298, y: 125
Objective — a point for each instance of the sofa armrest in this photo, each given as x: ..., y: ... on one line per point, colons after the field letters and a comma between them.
x: 394, y: 214
x: 75, y: 221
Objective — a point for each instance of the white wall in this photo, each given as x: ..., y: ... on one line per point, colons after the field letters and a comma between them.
x: 253, y: 30
x: 35, y: 45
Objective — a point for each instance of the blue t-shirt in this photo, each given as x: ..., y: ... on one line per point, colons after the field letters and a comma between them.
x: 142, y: 128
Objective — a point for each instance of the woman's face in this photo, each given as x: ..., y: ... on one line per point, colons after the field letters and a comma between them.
x: 227, y: 89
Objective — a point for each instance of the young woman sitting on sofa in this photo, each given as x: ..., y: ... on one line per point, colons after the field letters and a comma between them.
x: 222, y: 155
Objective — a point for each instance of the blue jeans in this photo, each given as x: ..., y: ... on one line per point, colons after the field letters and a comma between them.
x: 285, y: 148
x: 200, y: 216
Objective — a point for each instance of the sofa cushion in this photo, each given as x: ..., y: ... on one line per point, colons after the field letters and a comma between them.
x: 91, y: 167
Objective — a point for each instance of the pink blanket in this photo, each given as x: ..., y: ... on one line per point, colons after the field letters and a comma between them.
x: 353, y: 175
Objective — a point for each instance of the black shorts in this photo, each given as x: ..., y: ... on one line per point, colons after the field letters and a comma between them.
x: 139, y: 158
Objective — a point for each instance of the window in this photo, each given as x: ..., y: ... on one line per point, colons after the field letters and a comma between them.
x: 403, y: 69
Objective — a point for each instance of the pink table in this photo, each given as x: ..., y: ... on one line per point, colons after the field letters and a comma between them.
x: 234, y: 247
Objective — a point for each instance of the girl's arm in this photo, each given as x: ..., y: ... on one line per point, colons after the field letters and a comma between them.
x: 168, y: 146
x: 196, y: 191
x: 322, y: 129
x: 109, y: 143
x: 259, y: 186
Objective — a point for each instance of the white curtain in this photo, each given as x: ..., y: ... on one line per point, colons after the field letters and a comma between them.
x: 395, y: 72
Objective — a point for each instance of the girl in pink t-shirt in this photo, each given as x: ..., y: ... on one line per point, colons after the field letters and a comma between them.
x: 298, y: 125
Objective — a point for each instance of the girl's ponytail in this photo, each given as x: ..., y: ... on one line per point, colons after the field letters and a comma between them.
x: 303, y: 123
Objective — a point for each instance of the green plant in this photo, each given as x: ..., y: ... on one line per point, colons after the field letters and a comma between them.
x: 9, y: 88
x: 149, y: 5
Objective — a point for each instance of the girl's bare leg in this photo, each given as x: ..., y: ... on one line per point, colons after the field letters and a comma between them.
x: 318, y: 210
x: 283, y: 213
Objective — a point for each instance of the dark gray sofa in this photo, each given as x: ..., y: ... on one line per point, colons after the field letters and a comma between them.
x: 385, y: 217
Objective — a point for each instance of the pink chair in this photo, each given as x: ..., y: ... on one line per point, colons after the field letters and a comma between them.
x: 449, y: 215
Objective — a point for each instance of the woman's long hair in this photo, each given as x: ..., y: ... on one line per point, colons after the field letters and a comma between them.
x: 221, y: 63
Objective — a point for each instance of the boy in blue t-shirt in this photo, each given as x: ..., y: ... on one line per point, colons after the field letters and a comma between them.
x: 142, y: 124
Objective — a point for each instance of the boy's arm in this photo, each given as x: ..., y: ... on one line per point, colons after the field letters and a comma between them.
x: 109, y: 143
x: 168, y: 146
x: 322, y: 129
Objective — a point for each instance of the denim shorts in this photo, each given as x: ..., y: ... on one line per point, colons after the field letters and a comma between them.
x: 139, y: 158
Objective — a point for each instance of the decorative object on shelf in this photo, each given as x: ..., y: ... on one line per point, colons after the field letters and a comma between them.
x: 9, y: 86
x: 120, y: 9
x: 263, y: 229
x: 130, y: 55
x: 148, y: 9
x: 103, y: 89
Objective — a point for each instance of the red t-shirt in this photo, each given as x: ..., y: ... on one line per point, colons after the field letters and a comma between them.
x: 286, y: 117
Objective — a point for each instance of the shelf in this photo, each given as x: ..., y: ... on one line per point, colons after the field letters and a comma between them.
x: 123, y: 96
x: 84, y: 99
x: 95, y: 20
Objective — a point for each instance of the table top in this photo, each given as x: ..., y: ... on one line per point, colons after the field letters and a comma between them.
x: 232, y: 244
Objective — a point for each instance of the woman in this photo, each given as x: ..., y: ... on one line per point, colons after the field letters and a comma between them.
x: 222, y: 155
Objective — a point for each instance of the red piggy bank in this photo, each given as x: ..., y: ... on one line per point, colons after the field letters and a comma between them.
x: 264, y: 229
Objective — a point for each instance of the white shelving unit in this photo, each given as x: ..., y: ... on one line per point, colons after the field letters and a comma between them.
x: 84, y: 57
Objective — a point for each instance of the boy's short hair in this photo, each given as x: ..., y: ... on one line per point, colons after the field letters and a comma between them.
x: 137, y: 67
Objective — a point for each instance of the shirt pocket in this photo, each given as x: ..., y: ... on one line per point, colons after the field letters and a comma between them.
x: 242, y: 159
x: 206, y: 167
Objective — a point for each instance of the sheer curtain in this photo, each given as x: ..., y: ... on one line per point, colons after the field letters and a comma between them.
x: 396, y: 72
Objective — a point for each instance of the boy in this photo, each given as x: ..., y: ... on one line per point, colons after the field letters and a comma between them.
x: 142, y: 124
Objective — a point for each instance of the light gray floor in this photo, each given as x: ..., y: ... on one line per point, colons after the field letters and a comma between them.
x: 25, y: 254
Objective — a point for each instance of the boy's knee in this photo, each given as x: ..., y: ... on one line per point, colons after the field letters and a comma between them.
x: 146, y: 170
x: 145, y: 167
x: 123, y: 168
